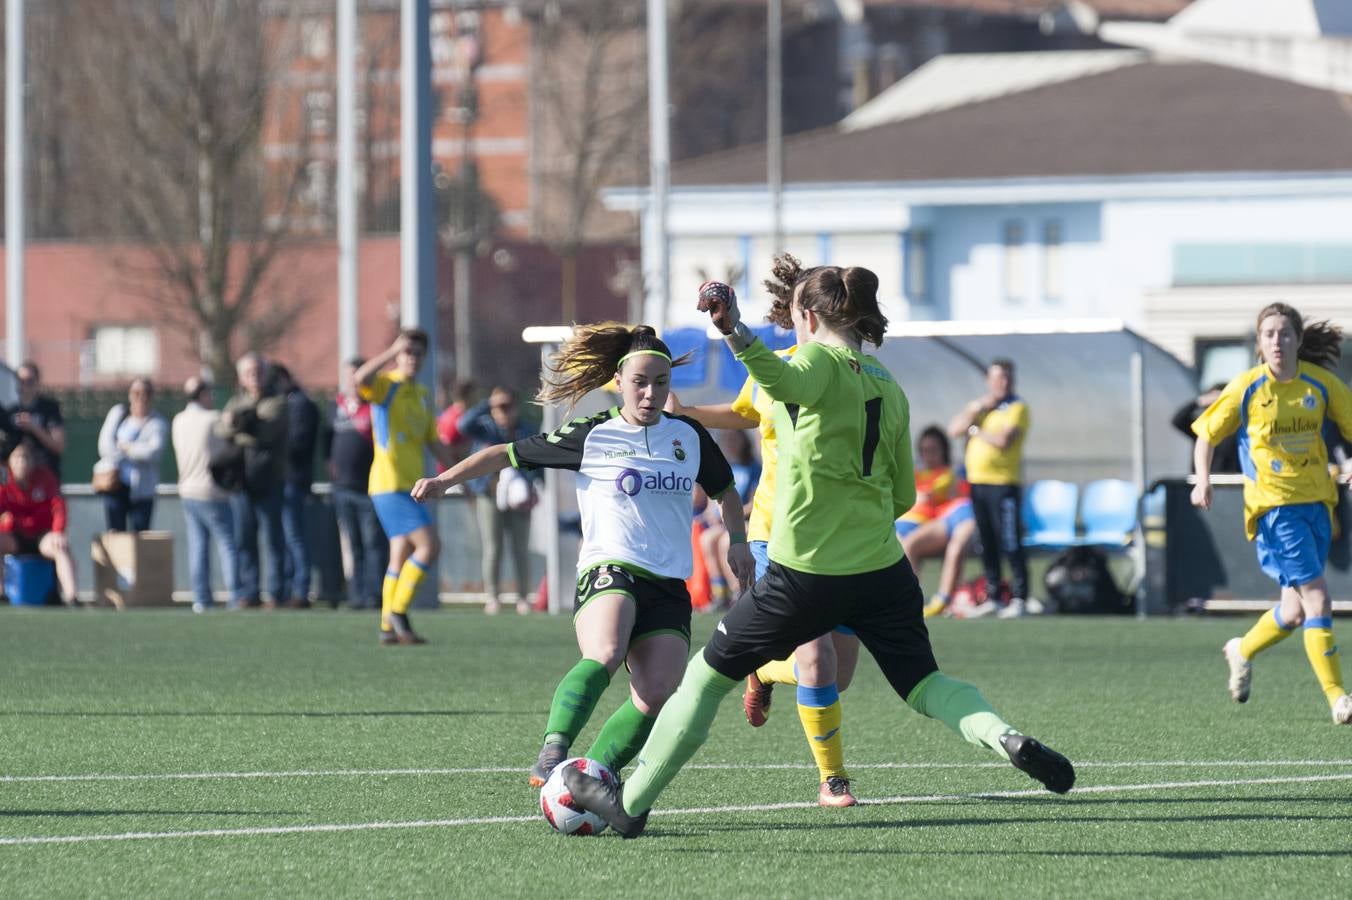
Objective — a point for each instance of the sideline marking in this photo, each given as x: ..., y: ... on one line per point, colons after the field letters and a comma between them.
x: 494, y: 770
x: 704, y: 810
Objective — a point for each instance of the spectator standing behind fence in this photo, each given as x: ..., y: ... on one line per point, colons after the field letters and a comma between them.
x: 206, y: 507
x: 505, y: 499
x: 302, y: 434
x: 404, y: 427
x: 33, y: 520
x: 255, y: 421
x: 463, y: 395
x: 37, y: 419
x: 132, y: 439
x: 348, y: 451
x: 995, y: 427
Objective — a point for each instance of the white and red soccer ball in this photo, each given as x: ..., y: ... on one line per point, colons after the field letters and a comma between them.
x: 557, y: 804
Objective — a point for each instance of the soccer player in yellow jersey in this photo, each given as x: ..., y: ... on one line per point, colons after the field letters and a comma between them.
x: 1279, y: 409
x: 995, y: 427
x: 403, y: 426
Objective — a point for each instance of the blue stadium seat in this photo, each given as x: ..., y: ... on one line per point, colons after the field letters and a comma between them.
x: 1108, y: 510
x: 1049, y: 514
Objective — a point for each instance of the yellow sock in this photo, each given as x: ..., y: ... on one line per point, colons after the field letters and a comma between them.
x: 1324, y: 657
x: 387, y: 597
x: 819, y: 711
x: 779, y: 671
x: 1267, y: 631
x: 410, y: 576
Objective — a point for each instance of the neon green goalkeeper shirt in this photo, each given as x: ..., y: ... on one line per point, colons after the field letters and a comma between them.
x: 845, y: 469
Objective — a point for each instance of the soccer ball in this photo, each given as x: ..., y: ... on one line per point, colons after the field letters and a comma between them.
x: 557, y: 804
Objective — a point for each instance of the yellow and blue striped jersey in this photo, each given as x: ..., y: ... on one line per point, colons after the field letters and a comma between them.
x: 755, y: 405
x: 402, y: 425
x: 1281, y: 428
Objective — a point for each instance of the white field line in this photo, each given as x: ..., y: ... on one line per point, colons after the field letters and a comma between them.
x: 704, y: 810
x: 496, y: 770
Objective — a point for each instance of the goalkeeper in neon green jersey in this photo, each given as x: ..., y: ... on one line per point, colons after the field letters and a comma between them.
x: 845, y: 475
x: 820, y: 670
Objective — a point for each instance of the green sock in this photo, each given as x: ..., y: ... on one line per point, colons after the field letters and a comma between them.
x: 621, y: 737
x: 575, y: 698
x: 679, y: 731
x: 961, y: 707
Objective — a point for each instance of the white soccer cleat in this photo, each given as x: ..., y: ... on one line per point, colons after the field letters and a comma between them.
x: 1342, y: 710
x: 1015, y: 609
x: 1241, y: 671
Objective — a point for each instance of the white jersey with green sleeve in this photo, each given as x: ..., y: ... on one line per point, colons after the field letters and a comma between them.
x: 845, y: 468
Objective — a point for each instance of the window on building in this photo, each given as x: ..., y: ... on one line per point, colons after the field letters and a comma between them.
x: 1053, y: 280
x: 1015, y: 281
x: 918, y: 268
x: 125, y: 350
x: 318, y: 112
x: 1267, y: 263
x: 316, y: 38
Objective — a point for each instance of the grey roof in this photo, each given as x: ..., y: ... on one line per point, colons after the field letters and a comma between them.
x: 1153, y: 118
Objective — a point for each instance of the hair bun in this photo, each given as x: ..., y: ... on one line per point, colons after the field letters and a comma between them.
x: 858, y: 279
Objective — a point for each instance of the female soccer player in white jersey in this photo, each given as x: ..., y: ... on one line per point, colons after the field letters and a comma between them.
x: 1280, y: 409
x: 845, y: 475
x: 637, y: 468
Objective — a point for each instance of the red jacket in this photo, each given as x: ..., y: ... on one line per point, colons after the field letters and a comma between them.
x: 35, y: 511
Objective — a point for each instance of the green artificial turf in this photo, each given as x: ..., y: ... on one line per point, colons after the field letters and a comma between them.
x: 262, y: 728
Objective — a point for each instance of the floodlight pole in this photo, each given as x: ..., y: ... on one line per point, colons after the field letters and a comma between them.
x: 774, y: 122
x: 659, y: 161
x: 15, y: 229
x: 346, y: 177
x: 417, y: 225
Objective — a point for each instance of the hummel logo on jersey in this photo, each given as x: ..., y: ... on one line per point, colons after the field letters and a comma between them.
x: 721, y: 628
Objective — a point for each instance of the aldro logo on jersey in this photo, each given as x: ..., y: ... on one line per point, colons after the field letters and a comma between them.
x: 631, y: 482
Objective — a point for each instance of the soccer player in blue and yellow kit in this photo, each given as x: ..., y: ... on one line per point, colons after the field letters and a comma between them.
x: 1280, y: 409
x: 845, y: 474
x: 403, y: 426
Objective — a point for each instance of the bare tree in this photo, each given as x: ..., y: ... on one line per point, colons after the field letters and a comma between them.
x: 591, y: 97
x: 174, y: 98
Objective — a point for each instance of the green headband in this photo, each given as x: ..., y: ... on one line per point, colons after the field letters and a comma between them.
x: 641, y: 353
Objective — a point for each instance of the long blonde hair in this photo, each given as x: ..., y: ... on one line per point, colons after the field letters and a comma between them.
x: 592, y: 356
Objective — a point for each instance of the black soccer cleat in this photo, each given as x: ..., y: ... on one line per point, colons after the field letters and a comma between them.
x: 1040, y: 762
x: 597, y: 796
x: 550, y: 756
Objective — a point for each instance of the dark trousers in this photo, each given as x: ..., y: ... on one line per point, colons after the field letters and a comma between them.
x: 296, y: 530
x: 365, y: 541
x: 118, y: 507
x: 998, y: 510
x: 250, y: 513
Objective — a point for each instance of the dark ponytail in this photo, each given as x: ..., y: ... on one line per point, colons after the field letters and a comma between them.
x: 847, y: 301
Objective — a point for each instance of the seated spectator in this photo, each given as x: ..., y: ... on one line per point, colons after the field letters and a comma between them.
x: 940, y: 524
x: 132, y: 438
x: 34, y: 517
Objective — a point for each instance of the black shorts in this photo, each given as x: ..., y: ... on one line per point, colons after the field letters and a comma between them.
x: 787, y: 608
x: 662, y: 604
